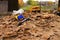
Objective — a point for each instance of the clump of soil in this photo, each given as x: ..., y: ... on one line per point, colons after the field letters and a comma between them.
x: 42, y: 26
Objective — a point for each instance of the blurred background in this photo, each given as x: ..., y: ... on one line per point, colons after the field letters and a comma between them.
x: 10, y: 5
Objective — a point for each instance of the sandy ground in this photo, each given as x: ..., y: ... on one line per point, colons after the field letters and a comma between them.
x: 41, y: 27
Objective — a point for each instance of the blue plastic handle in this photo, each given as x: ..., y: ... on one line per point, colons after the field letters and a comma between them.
x: 20, y: 17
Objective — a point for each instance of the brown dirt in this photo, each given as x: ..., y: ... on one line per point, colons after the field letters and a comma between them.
x: 41, y: 27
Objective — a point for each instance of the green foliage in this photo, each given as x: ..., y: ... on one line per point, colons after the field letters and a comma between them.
x: 32, y: 2
x: 29, y: 2
x: 27, y: 7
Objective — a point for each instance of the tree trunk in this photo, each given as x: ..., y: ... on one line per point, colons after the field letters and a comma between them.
x: 12, y: 5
